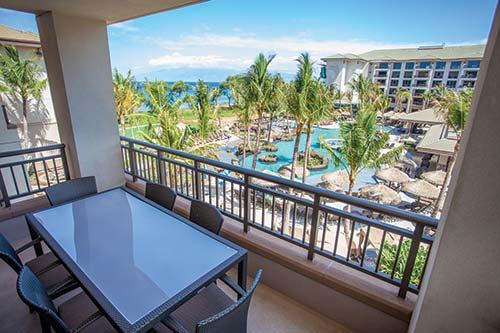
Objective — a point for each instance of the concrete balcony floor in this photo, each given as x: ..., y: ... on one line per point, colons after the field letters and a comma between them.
x: 270, y: 311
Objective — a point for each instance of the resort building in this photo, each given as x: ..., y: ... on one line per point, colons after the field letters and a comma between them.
x: 417, y: 69
x: 42, y: 125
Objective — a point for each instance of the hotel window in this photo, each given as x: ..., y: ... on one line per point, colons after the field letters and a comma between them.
x: 436, y: 83
x: 455, y: 64
x: 438, y: 75
x: 395, y: 74
x: 394, y: 83
x: 440, y: 65
x: 408, y: 75
x: 396, y: 65
x: 392, y: 91
x: 406, y: 83
x: 421, y: 83
x: 424, y: 64
x: 453, y: 75
x: 470, y: 74
x: 382, y: 74
x: 473, y: 64
x: 409, y: 65
x: 451, y: 84
x: 383, y: 65
x: 469, y: 84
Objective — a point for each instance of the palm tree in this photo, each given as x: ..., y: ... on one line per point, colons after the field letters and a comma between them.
x: 349, y: 96
x: 401, y: 96
x: 128, y: 99
x: 159, y: 99
x: 361, y: 148
x: 455, y: 107
x: 319, y: 101
x: 23, y: 78
x: 203, y: 103
x: 276, y: 102
x: 179, y: 87
x: 364, y: 87
x: 427, y: 97
x: 259, y: 83
x: 382, y: 104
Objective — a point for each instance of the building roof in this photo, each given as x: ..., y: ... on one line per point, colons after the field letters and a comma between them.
x: 436, y: 142
x: 10, y: 35
x: 420, y: 53
x: 428, y: 116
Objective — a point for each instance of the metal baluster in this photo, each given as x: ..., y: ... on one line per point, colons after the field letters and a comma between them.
x: 3, y: 190
x: 410, y: 262
x: 133, y: 162
x: 246, y: 203
x: 314, y: 227
x: 380, y: 252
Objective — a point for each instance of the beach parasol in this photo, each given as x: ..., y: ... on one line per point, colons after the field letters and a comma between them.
x: 337, y: 178
x: 421, y: 188
x: 380, y: 193
x: 434, y: 177
x: 392, y: 175
x: 330, y: 186
x: 265, y: 183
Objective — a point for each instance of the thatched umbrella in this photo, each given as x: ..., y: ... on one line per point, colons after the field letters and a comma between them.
x: 434, y: 177
x: 380, y: 193
x: 265, y: 183
x: 392, y: 175
x: 286, y: 171
x: 389, y: 114
x: 330, y: 186
x: 337, y: 178
x: 421, y: 188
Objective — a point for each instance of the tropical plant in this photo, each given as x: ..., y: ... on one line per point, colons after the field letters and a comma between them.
x: 365, y: 89
x: 259, y: 84
x: 276, y: 103
x: 203, y: 102
x: 455, y: 107
x: 428, y: 97
x: 382, y: 104
x: 23, y: 79
x: 402, y: 95
x: 159, y: 98
x: 390, y: 254
x: 128, y: 99
x: 361, y: 148
x: 179, y: 87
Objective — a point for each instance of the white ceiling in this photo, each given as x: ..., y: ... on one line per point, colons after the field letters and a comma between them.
x: 111, y: 11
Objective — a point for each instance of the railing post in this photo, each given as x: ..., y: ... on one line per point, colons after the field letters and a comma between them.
x: 314, y: 226
x: 131, y: 158
x: 3, y: 190
x: 160, y: 167
x: 67, y: 176
x: 197, y: 181
x: 246, y: 202
x: 410, y: 261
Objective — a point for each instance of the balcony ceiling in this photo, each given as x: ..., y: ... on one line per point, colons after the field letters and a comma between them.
x: 111, y: 11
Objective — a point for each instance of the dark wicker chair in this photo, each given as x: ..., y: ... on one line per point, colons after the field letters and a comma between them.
x: 77, y: 315
x: 212, y: 311
x: 71, y: 190
x: 161, y: 194
x: 206, y: 215
x: 55, y: 278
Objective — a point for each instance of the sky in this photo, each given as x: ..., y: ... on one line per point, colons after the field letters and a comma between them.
x: 220, y: 37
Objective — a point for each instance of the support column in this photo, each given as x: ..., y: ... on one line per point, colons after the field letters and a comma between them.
x: 76, y: 54
x: 461, y: 288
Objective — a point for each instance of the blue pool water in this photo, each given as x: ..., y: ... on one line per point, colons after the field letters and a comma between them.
x: 285, y: 151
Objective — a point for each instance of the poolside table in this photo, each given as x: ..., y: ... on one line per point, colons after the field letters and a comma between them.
x: 136, y: 260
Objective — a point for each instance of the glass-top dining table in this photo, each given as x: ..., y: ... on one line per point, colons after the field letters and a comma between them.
x: 136, y: 260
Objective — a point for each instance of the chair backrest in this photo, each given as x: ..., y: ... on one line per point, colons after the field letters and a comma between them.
x: 206, y: 215
x: 9, y: 255
x: 162, y: 195
x: 234, y: 318
x: 71, y: 190
x: 32, y: 293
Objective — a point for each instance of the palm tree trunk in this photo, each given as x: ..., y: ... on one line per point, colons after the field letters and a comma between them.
x: 257, y: 141
x: 245, y: 144
x: 270, y: 128
x: 446, y: 183
x: 287, y: 208
x: 25, y: 122
x: 307, y: 152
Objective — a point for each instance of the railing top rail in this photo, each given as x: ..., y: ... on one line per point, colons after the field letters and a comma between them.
x: 386, y: 209
x: 31, y: 150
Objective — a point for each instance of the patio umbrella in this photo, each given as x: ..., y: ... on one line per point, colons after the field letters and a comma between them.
x: 337, y: 178
x: 286, y: 171
x: 330, y: 186
x: 265, y: 183
x: 421, y: 188
x: 380, y: 193
x: 434, y: 177
x: 392, y: 175
x: 389, y: 114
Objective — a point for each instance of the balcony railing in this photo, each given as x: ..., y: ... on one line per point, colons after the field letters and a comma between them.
x: 27, y: 172
x: 307, y: 216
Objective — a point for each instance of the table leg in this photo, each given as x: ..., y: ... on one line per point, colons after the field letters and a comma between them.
x: 38, y: 246
x: 242, y: 273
